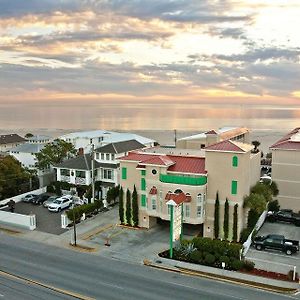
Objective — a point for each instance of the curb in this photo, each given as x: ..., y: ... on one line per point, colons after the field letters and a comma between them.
x: 189, y: 272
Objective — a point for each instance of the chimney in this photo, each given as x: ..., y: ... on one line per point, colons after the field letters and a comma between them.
x: 80, y: 151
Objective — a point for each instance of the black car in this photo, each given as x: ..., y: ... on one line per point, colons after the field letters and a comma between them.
x: 40, y: 199
x: 284, y: 215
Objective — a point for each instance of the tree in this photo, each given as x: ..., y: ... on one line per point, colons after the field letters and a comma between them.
x: 226, y: 219
x: 28, y: 135
x: 235, y: 223
x: 54, y: 153
x: 262, y: 189
x: 273, y: 206
x: 135, y: 208
x: 121, y: 205
x: 274, y: 188
x: 14, y: 179
x: 128, y: 207
x: 256, y: 202
x: 256, y: 145
x: 217, y: 214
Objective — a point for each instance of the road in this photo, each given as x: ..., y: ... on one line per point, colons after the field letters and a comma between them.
x: 105, y: 278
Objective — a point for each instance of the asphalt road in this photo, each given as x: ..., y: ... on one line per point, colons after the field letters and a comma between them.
x: 103, y: 278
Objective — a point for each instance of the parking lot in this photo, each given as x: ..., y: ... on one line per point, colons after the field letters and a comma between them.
x: 273, y: 260
x: 46, y: 221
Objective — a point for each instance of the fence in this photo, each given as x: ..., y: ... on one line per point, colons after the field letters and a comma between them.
x: 257, y: 226
x: 28, y: 222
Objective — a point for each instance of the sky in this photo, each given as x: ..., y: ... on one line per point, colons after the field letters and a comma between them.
x: 201, y: 51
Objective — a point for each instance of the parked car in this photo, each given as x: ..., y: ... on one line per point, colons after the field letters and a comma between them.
x: 50, y: 200
x: 29, y: 198
x: 284, y: 215
x: 60, y: 203
x: 40, y: 199
x: 276, y: 242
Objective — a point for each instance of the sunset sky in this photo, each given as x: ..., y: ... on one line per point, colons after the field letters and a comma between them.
x: 245, y: 51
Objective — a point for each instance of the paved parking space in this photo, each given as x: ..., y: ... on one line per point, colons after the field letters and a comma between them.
x: 46, y: 221
x: 273, y: 260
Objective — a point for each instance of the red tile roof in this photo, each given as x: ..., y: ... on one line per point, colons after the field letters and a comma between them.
x: 174, y: 163
x: 289, y: 142
x: 178, y: 198
x: 226, y: 146
x: 211, y: 132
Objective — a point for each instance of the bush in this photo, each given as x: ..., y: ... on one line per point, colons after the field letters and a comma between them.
x: 253, y: 217
x: 50, y: 189
x: 236, y: 264
x: 273, y: 206
x: 234, y: 250
x: 244, y: 234
x: 203, y: 244
x: 196, y: 256
x: 224, y: 259
x: 209, y: 259
x: 248, y: 265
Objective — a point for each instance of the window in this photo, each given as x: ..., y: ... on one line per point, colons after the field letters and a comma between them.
x: 100, y: 139
x: 234, y: 161
x: 108, y: 174
x: 187, y: 210
x: 112, y: 157
x: 65, y: 172
x: 199, y: 198
x: 233, y: 187
x: 80, y: 174
x: 124, y: 173
x: 107, y: 156
x: 153, y: 202
x: 143, y: 184
x: 143, y: 172
x: 199, y: 211
x: 97, y: 155
x: 102, y: 156
x: 91, y: 141
x: 143, y: 201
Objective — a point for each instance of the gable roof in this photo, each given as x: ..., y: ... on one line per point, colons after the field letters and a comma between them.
x: 120, y: 147
x: 291, y: 141
x: 80, y: 162
x: 227, y: 146
x: 173, y: 163
x: 11, y: 138
x: 28, y: 148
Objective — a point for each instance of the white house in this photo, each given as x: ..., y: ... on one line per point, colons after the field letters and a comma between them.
x: 39, y: 139
x: 84, y: 139
x: 25, y: 154
x: 9, y: 141
x: 78, y: 170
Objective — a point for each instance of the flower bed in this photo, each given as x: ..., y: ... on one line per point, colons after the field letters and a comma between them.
x: 271, y: 275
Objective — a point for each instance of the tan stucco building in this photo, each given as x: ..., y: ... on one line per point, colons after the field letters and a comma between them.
x: 286, y: 169
x: 202, y: 140
x: 228, y: 168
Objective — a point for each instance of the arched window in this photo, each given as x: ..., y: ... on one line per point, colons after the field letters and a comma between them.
x: 234, y: 161
x: 178, y: 191
x: 199, y: 198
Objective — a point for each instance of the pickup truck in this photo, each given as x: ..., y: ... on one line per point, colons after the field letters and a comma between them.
x: 276, y: 242
x: 284, y: 216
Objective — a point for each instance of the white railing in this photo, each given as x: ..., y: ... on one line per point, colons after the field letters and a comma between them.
x: 79, y: 180
x: 257, y: 226
x: 28, y: 222
x: 65, y: 178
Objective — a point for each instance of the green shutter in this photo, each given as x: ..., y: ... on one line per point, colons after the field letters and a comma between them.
x: 143, y: 184
x: 234, y: 187
x: 143, y: 172
x: 124, y: 173
x: 235, y: 161
x: 143, y: 201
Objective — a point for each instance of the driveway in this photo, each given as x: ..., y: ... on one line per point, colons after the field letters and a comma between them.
x: 45, y: 221
x: 275, y: 260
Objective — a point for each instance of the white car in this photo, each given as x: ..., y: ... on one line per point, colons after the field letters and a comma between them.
x: 60, y: 203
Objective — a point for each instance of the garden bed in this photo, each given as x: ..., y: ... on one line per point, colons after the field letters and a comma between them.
x: 271, y: 275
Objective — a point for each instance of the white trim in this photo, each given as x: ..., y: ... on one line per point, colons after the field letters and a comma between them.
x: 281, y: 180
x: 284, y: 164
x: 283, y: 196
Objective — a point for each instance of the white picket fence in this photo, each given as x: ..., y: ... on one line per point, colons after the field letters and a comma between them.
x: 257, y: 226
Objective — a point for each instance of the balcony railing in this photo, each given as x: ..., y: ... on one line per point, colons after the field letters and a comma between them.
x: 177, y: 179
x: 79, y: 180
x: 65, y: 178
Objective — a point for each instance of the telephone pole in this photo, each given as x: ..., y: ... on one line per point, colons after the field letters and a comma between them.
x: 93, y: 174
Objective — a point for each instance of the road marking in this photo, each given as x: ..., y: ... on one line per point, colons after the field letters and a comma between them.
x: 112, y: 285
x: 58, y: 290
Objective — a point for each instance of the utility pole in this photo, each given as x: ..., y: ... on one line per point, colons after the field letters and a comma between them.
x: 74, y: 223
x: 93, y: 174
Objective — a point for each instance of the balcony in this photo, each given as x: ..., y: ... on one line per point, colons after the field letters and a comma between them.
x: 65, y: 178
x: 79, y: 180
x: 177, y: 179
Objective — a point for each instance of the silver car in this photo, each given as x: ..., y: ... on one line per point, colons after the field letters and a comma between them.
x: 50, y: 201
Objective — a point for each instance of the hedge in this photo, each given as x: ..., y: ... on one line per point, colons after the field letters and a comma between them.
x: 88, y: 209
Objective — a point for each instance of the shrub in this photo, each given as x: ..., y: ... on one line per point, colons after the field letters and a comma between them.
x: 248, y: 265
x: 209, y: 259
x: 226, y: 219
x: 252, y: 218
x: 196, y: 256
x: 236, y: 264
x: 244, y: 234
x: 203, y: 244
x: 274, y: 206
x: 235, y: 223
x: 224, y: 259
x: 234, y: 250
x: 216, y: 217
x: 50, y: 189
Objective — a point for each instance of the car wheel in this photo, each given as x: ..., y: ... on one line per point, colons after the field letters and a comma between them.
x: 258, y: 247
x: 288, y: 252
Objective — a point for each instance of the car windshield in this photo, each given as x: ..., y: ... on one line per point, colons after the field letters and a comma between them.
x: 57, y: 201
x: 52, y: 198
